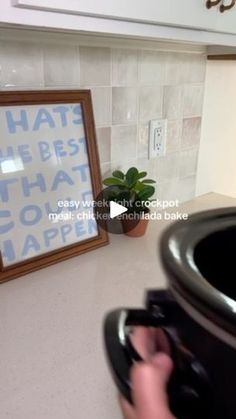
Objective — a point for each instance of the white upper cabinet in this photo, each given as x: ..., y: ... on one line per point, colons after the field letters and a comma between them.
x: 180, y: 20
x: 180, y: 13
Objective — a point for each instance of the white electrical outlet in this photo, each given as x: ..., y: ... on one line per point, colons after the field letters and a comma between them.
x: 157, y: 138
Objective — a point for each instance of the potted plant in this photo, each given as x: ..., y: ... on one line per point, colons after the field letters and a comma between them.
x: 135, y: 188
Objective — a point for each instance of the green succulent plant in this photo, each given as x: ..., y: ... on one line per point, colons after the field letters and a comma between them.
x: 133, y: 186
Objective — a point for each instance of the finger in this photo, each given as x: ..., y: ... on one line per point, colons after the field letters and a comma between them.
x: 162, y: 343
x: 127, y: 409
x: 143, y: 340
x: 149, y: 381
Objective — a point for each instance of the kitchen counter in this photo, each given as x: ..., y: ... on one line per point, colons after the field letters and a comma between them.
x: 52, y: 364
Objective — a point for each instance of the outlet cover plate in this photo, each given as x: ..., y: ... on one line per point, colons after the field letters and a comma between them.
x: 157, y: 138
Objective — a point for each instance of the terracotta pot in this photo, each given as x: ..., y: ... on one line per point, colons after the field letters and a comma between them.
x: 132, y: 228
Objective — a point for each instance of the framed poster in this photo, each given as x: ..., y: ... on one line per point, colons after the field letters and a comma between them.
x: 49, y: 178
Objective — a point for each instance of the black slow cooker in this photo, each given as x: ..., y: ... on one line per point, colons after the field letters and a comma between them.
x: 197, y: 313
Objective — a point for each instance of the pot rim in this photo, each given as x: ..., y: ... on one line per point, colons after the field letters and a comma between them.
x: 177, y: 255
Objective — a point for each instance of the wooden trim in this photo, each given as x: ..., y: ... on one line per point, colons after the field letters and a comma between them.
x: 222, y: 57
x: 49, y: 97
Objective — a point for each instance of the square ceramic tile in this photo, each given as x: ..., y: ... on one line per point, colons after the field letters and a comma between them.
x: 143, y: 140
x: 181, y: 190
x: 123, y: 143
x: 150, y: 103
x: 124, y: 105
x: 58, y: 71
x: 152, y: 67
x: 173, y: 136
x: 123, y: 165
x: 174, y: 69
x: 141, y: 164
x: 101, y: 99
x: 188, y: 162
x: 185, y: 68
x: 22, y: 65
x: 149, y: 166
x: 173, y: 102
x: 168, y: 191
x: 105, y: 170
x: 168, y: 167
x: 191, y: 132
x: 197, y: 68
x: 186, y: 188
x: 124, y: 67
x: 194, y: 67
x: 95, y: 66
x: 104, y: 144
x: 193, y: 100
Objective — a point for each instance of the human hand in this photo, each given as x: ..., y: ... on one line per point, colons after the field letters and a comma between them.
x: 149, y: 379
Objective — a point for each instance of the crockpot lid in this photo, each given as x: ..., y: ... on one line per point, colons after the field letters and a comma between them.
x: 178, y: 252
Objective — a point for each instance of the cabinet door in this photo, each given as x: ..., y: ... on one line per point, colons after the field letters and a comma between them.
x: 180, y: 13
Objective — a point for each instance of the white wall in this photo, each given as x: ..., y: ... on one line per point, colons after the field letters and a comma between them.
x: 217, y: 156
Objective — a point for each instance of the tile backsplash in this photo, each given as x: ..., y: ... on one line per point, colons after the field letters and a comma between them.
x: 129, y: 87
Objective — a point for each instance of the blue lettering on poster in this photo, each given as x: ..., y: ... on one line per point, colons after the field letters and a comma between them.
x: 27, y: 145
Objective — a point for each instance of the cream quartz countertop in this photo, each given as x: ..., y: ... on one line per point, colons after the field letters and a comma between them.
x: 52, y: 364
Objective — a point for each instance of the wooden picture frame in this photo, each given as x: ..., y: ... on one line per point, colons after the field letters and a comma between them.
x: 23, y: 114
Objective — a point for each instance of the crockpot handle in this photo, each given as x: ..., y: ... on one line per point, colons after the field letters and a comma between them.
x: 188, y: 389
x: 120, y: 351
